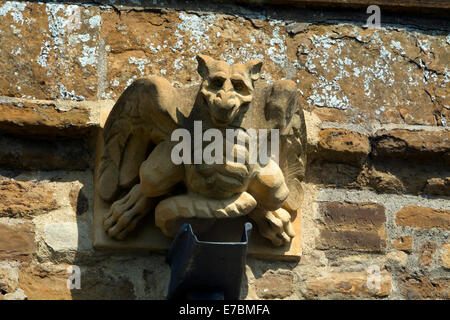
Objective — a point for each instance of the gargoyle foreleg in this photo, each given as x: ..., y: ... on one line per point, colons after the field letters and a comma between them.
x: 158, y: 175
x: 268, y: 187
x: 125, y: 213
x: 270, y: 191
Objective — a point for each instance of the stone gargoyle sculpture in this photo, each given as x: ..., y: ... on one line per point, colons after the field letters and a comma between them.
x: 137, y: 175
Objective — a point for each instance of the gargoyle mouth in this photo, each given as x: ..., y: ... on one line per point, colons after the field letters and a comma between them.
x: 221, y: 122
x: 224, y: 117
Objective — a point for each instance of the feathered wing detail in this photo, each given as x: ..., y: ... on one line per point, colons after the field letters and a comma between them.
x: 144, y: 115
x: 293, y: 160
x: 283, y: 106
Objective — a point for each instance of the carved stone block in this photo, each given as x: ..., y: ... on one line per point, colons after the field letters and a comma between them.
x: 201, y: 155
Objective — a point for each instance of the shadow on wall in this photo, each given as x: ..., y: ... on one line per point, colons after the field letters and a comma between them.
x: 113, y: 274
x: 47, y: 184
x: 63, y: 226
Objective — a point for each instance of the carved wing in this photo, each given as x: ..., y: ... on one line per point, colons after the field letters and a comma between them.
x: 144, y: 115
x: 283, y: 107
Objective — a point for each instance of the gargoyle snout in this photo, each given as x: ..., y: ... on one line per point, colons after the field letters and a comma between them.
x: 226, y: 99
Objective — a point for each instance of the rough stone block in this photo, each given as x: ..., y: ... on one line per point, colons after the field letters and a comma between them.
x: 422, y: 287
x: 438, y: 186
x: 404, y: 243
x: 49, y: 282
x: 49, y: 50
x: 342, y: 80
x: 412, y: 144
x: 445, y: 255
x: 426, y: 253
x: 383, y: 182
x: 275, y: 285
x: 8, y: 278
x: 25, y: 199
x: 397, y: 257
x: 340, y: 145
x: 347, y: 285
x: 352, y: 226
x: 19, y: 153
x: 102, y: 284
x: 44, y: 118
x: 66, y: 236
x: 16, y: 241
x: 423, y: 218
x: 143, y: 43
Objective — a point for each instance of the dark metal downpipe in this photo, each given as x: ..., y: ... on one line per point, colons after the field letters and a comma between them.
x: 203, y: 270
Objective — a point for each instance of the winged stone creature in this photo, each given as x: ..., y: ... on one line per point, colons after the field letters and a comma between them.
x: 136, y: 174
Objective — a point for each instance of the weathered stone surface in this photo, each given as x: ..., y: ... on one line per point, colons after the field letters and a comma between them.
x: 49, y: 282
x: 403, y: 243
x: 383, y: 182
x: 423, y: 218
x: 438, y: 186
x: 49, y: 50
x: 408, y: 144
x: 16, y: 295
x: 45, y: 281
x: 340, y: 145
x: 297, y: 27
x: 18, y: 153
x: 445, y: 255
x: 16, y: 241
x: 426, y: 253
x: 394, y: 5
x: 384, y: 176
x: 352, y: 226
x: 8, y: 278
x: 157, y: 279
x: 336, y: 174
x: 78, y: 200
x: 61, y: 236
x: 393, y: 176
x: 397, y: 257
x: 338, y: 285
x: 66, y: 236
x: 139, y: 44
x: 421, y: 287
x: 100, y: 284
x: 64, y: 40
x: 275, y: 285
x: 25, y: 199
x: 27, y: 117
x: 357, y: 75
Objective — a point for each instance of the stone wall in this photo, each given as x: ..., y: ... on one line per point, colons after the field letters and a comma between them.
x: 377, y: 107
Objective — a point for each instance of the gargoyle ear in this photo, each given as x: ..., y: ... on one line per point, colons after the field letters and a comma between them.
x: 254, y: 68
x: 204, y: 64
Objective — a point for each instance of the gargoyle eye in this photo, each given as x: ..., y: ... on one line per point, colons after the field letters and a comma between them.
x: 216, y: 83
x: 240, y: 87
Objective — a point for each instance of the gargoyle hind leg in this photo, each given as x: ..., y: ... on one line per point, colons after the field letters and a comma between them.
x: 270, y: 191
x: 274, y: 225
x: 158, y: 174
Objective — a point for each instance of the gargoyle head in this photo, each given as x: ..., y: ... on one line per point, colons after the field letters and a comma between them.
x: 227, y: 88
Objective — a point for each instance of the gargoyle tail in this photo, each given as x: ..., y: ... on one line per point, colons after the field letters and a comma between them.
x: 186, y: 206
